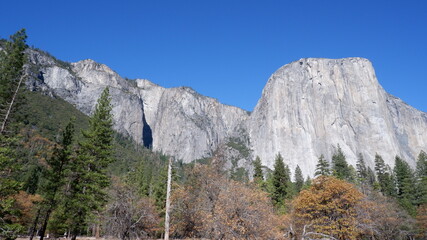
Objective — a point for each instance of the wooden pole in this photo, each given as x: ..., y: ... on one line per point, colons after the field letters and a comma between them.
x: 168, y: 193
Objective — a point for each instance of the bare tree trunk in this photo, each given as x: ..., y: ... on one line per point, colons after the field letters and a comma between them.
x: 168, y: 193
x: 44, y: 226
x: 3, y: 126
x: 97, y: 231
x: 36, y: 221
x: 74, y: 234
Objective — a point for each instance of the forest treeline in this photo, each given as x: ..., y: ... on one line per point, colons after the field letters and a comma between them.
x: 74, y: 176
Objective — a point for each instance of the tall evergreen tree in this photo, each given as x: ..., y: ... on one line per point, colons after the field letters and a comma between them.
x: 352, y: 174
x: 371, y: 177
x: 405, y: 184
x: 362, y: 170
x: 340, y: 168
x: 159, y: 189
x: 384, y: 175
x: 289, y: 183
x: 258, y: 174
x: 380, y: 167
x: 8, y: 186
x: 56, y: 173
x: 307, y: 183
x: 299, y: 179
x: 12, y: 60
x: 404, y: 178
x: 322, y: 167
x: 422, y: 164
x: 392, y: 182
x: 421, y: 179
x: 141, y: 178
x: 281, y: 179
x: 362, y: 173
x: 89, y: 179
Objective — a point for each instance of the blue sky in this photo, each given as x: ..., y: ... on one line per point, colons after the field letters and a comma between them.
x: 227, y: 49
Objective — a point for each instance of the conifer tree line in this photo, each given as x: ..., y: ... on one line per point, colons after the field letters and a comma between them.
x: 87, y: 183
x: 402, y: 184
x: 406, y: 185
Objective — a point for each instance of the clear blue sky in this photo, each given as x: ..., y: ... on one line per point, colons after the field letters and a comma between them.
x: 227, y: 49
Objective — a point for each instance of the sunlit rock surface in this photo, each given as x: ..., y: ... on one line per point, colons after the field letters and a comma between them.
x: 307, y: 108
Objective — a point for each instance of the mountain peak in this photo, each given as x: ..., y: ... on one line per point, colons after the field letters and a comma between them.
x: 307, y: 108
x: 310, y: 106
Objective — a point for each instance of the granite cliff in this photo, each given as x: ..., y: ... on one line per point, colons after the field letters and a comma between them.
x: 176, y: 121
x: 307, y: 108
x: 310, y: 106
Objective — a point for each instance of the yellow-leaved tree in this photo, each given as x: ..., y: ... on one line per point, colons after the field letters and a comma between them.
x: 327, y: 209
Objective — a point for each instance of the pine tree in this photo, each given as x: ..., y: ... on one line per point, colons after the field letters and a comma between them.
x: 56, y: 173
x: 281, y: 179
x: 299, y: 179
x: 352, y: 174
x: 391, y: 184
x: 379, y: 166
x: 258, y: 174
x: 421, y: 179
x: 289, y: 184
x: 362, y: 173
x: 141, y: 178
x: 31, y: 183
x: 405, y: 184
x: 371, y: 177
x: 362, y: 170
x: 322, y: 167
x: 384, y: 175
x: 340, y: 168
x: 8, y: 187
x: 404, y: 178
x: 12, y: 60
x: 89, y: 179
x: 307, y: 183
x: 8, y: 168
x: 159, y: 189
x: 268, y: 184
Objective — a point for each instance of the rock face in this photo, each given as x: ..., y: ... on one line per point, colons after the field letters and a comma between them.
x: 193, y: 124
x: 310, y: 106
x: 176, y: 121
x: 307, y: 108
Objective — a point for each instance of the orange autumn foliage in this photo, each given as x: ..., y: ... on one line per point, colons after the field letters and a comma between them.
x: 243, y: 212
x: 215, y: 207
x: 327, y: 208
x: 38, y: 146
x: 25, y: 202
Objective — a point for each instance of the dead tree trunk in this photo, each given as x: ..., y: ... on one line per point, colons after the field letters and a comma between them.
x: 9, y: 109
x: 168, y: 193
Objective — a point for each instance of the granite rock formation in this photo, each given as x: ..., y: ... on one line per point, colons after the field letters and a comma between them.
x: 311, y: 106
x: 307, y: 108
x: 176, y: 121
